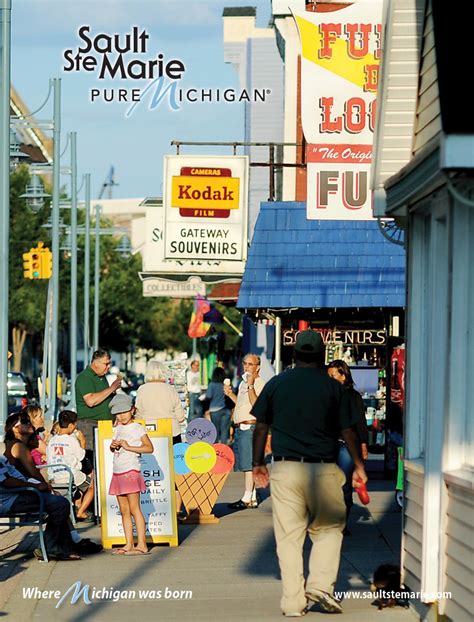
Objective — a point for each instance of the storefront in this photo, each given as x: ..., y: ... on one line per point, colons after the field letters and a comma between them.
x: 343, y: 279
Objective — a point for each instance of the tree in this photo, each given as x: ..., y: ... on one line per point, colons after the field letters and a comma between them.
x: 27, y: 299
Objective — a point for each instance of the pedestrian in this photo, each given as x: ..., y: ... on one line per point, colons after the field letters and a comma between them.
x: 158, y: 400
x: 57, y: 537
x: 340, y: 371
x: 307, y: 411
x: 244, y: 422
x: 64, y: 448
x: 193, y: 383
x: 18, y: 434
x: 218, y: 411
x: 93, y: 395
x: 38, y: 445
x: 129, y: 441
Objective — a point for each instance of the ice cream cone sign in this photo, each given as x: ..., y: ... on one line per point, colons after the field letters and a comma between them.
x: 201, y: 469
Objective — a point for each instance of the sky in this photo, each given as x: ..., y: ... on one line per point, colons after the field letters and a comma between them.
x: 190, y: 31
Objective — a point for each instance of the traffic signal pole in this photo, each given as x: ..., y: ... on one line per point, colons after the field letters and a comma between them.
x: 5, y: 31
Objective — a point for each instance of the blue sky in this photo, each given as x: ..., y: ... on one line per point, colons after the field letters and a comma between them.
x: 191, y: 31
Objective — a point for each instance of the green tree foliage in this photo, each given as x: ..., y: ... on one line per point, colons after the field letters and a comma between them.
x: 127, y: 319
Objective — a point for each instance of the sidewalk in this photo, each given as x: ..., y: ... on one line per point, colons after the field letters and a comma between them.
x: 230, y: 568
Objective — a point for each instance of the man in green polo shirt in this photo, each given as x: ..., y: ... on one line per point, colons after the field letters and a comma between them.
x: 93, y: 395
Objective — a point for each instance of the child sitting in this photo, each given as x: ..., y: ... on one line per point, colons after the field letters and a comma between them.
x: 64, y: 448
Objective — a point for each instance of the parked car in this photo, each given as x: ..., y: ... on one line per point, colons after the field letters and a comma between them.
x: 20, y: 392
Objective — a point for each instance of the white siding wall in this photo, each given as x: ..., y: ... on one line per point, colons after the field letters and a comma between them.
x: 428, y: 122
x: 459, y: 554
x: 398, y: 89
x: 413, y: 528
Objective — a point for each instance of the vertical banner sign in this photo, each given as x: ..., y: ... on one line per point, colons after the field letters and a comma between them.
x: 340, y: 57
x: 158, y: 503
x: 205, y: 199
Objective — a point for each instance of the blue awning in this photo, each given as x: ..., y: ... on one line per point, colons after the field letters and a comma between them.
x: 295, y: 262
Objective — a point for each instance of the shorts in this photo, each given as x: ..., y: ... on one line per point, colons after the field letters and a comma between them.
x: 84, y: 487
x: 127, y: 483
x: 243, y: 448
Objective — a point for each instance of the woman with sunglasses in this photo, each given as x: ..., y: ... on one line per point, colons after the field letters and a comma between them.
x: 19, y: 436
x: 19, y: 433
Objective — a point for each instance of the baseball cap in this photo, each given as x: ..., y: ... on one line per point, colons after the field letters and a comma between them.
x: 121, y: 403
x: 310, y: 342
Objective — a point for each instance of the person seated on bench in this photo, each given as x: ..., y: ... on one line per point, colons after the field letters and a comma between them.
x: 18, y: 432
x: 64, y: 448
x: 57, y: 537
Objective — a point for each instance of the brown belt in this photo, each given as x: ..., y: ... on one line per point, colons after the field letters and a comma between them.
x: 245, y: 423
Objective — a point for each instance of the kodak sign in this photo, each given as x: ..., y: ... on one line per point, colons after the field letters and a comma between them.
x: 205, y: 192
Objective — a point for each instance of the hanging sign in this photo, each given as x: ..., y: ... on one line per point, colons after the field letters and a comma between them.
x: 158, y: 503
x: 340, y: 335
x: 205, y: 200
x: 340, y: 57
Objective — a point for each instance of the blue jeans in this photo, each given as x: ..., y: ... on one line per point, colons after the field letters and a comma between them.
x: 221, y: 419
x: 195, y: 407
x: 345, y: 462
x: 57, y: 536
x: 243, y: 449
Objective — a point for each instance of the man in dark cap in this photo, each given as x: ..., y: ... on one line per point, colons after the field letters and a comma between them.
x: 308, y: 411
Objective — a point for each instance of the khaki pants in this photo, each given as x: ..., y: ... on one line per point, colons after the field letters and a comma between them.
x: 307, y: 498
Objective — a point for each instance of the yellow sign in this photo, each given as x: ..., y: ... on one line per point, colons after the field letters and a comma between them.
x: 200, y: 457
x: 158, y: 503
x: 205, y: 192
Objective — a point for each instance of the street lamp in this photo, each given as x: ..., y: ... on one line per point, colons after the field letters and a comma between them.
x: 35, y: 194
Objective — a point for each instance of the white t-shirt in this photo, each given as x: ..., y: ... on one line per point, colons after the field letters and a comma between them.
x: 193, y: 381
x: 243, y: 405
x: 65, y: 449
x: 125, y: 460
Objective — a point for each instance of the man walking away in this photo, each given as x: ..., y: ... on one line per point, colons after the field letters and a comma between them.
x: 307, y: 411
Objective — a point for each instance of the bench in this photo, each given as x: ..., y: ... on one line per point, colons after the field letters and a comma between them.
x: 38, y: 519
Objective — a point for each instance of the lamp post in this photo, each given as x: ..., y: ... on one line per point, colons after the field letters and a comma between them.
x: 5, y: 32
x: 87, y: 264
x: 73, y: 318
x: 96, y: 278
x: 53, y: 369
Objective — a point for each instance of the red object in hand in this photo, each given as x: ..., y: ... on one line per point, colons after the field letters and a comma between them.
x: 361, y: 490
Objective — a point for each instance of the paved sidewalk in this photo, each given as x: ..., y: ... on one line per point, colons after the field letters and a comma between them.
x: 230, y: 568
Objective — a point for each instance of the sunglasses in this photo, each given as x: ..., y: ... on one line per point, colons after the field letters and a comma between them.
x: 22, y: 421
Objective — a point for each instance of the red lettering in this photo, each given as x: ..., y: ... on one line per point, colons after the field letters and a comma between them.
x: 354, y: 115
x: 327, y: 124
x: 371, y: 78
x: 358, y: 39
x: 329, y: 34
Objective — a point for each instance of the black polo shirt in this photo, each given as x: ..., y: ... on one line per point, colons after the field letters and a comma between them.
x: 306, y: 410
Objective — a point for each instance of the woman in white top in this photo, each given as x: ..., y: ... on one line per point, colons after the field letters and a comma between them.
x: 158, y: 400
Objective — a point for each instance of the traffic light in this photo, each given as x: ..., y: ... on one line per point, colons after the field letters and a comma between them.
x: 38, y: 263
x: 27, y: 267
x: 35, y: 264
x: 46, y: 263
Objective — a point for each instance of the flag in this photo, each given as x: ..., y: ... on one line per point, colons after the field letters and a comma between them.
x: 213, y: 316
x: 197, y: 326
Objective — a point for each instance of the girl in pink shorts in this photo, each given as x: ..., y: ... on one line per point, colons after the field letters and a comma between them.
x: 129, y: 441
